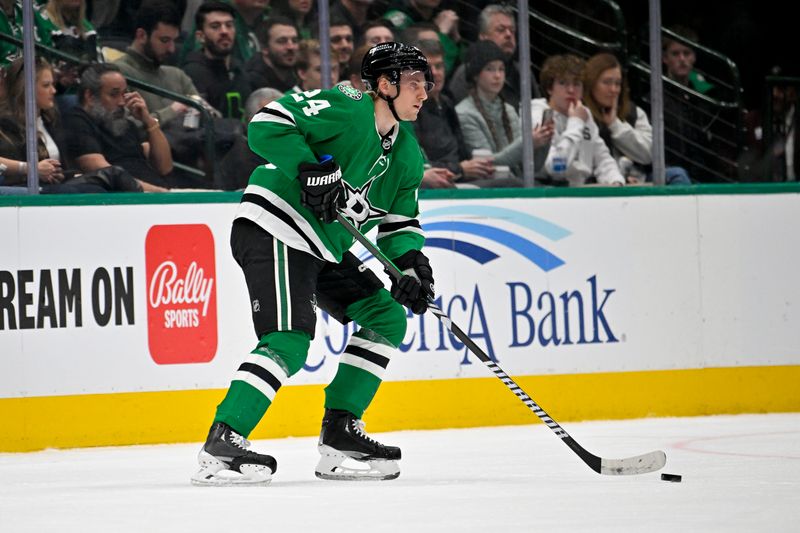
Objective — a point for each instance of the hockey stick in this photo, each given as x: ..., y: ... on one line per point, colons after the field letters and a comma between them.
x: 640, y: 464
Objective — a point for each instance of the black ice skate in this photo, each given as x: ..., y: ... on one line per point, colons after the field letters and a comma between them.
x: 225, y: 460
x: 343, y: 438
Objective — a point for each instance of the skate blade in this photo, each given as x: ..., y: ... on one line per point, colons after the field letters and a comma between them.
x: 252, y: 475
x: 331, y: 467
x: 215, y: 473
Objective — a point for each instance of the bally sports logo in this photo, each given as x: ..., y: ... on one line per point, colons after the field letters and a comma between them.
x: 181, y: 294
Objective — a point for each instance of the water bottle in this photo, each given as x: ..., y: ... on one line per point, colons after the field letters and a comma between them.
x: 559, y: 165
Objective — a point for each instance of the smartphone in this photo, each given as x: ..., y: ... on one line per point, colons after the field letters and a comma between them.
x: 547, y: 116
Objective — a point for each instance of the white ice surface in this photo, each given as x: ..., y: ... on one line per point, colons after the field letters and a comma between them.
x: 740, y: 473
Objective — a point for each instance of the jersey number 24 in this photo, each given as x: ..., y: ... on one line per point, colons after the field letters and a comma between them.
x: 314, y: 106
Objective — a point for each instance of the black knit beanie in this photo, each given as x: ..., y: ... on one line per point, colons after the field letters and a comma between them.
x: 478, y: 55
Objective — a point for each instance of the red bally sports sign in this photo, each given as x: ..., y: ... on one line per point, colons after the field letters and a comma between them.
x: 181, y: 294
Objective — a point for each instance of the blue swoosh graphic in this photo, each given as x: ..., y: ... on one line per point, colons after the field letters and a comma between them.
x: 473, y: 251
x: 543, y: 227
x: 479, y: 254
x: 533, y: 252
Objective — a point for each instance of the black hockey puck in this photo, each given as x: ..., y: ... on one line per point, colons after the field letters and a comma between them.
x: 675, y: 478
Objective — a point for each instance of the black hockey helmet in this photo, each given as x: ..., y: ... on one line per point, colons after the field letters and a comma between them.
x: 391, y: 59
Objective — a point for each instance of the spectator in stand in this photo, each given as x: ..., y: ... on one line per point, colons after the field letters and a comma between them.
x: 491, y: 124
x: 354, y: 12
x: 11, y: 24
x: 157, y: 28
x: 772, y: 148
x: 102, y: 134
x: 240, y: 161
x: 354, y: 67
x: 446, y: 20
x: 274, y: 65
x: 577, y: 155
x: 73, y: 34
x: 50, y: 148
x: 71, y: 30
x: 341, y: 36
x: 687, y: 137
x: 679, y: 59
x: 250, y: 15
x: 113, y: 20
x: 308, y: 67
x: 439, y: 132
x: 377, y: 32
x: 419, y: 31
x: 623, y: 126
x: 258, y: 99
x: 218, y: 76
x: 301, y: 12
x: 784, y: 153
x: 496, y: 23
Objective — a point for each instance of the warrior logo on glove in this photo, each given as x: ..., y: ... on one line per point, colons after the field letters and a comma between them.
x: 323, y: 192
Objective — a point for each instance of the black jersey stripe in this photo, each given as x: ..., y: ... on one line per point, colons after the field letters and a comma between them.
x: 389, y: 227
x: 372, y: 357
x: 266, y: 205
x: 276, y: 113
x: 262, y: 373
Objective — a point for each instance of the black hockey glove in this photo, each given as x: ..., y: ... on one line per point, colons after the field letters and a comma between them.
x: 416, y: 285
x: 323, y: 192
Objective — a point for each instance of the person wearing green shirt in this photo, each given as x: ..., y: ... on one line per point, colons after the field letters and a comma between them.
x: 11, y: 24
x: 334, y: 151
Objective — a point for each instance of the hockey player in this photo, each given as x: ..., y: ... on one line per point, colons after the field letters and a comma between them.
x: 338, y: 150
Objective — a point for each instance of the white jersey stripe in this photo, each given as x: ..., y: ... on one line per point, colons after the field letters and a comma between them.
x: 277, y: 227
x: 288, y: 300
x: 381, y: 349
x: 259, y: 384
x: 284, y: 118
x: 279, y: 298
x: 392, y: 218
x: 268, y: 364
x: 363, y: 364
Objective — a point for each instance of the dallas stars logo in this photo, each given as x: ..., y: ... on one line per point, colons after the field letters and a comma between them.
x: 358, y: 208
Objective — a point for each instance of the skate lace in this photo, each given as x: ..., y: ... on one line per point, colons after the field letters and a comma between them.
x: 358, y: 426
x: 239, y: 441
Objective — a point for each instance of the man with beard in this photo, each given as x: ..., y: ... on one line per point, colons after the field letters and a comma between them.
x: 274, y: 66
x: 157, y: 28
x: 101, y: 133
x: 248, y: 16
x: 218, y: 75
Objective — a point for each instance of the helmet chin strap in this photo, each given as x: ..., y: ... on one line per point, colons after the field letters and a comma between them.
x: 390, y: 102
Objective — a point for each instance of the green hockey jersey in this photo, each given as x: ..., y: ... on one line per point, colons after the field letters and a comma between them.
x: 381, y: 175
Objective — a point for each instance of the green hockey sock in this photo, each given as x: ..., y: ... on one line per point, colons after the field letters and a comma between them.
x: 278, y: 356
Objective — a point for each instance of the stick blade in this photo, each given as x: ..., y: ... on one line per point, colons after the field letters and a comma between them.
x: 630, y: 466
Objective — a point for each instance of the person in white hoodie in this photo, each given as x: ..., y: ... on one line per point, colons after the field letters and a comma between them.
x: 577, y: 153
